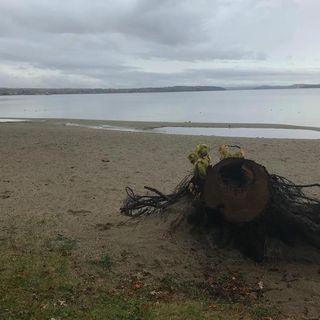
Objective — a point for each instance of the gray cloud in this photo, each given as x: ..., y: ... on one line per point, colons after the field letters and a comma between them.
x: 137, y: 42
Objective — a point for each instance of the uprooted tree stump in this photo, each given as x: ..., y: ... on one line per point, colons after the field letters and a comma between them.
x: 240, y: 195
x: 239, y: 188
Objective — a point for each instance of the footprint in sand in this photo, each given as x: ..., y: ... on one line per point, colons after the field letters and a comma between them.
x: 79, y: 212
x: 6, y: 194
x: 104, y: 226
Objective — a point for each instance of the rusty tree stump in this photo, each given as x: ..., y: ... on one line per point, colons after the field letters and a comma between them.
x: 240, y: 198
x: 238, y: 188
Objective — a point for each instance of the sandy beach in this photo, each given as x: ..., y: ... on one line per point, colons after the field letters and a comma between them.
x: 70, y: 181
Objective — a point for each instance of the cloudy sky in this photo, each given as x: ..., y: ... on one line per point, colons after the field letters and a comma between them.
x: 137, y: 43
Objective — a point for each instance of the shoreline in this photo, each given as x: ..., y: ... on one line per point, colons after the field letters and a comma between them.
x: 148, y: 125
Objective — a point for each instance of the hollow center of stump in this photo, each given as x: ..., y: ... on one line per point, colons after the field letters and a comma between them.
x: 236, y: 175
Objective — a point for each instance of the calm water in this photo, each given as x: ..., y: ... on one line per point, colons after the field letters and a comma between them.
x: 222, y: 132
x: 242, y: 132
x: 295, y: 107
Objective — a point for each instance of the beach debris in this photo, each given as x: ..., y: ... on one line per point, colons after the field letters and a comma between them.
x: 225, y: 152
x: 240, y: 195
x: 136, y: 205
x: 200, y: 160
x: 137, y: 285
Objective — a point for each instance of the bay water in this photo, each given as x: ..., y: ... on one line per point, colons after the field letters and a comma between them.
x: 292, y: 106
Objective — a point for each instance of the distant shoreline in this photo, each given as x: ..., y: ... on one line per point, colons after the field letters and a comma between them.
x: 55, y: 91
x: 51, y: 91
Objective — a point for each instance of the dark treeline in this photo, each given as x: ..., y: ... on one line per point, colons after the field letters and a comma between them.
x: 48, y: 91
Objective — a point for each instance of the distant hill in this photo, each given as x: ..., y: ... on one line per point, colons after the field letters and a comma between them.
x: 294, y: 86
x: 49, y: 91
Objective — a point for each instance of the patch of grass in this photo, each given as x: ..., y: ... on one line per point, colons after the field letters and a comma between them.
x: 35, y: 286
x: 170, y: 282
x: 190, y: 289
x: 185, y: 310
x: 203, y: 310
x: 62, y: 244
x: 45, y: 286
x: 116, y: 307
x: 104, y: 262
x: 260, y: 313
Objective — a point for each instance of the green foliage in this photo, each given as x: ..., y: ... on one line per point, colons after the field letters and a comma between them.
x: 260, y: 312
x: 119, y: 308
x: 105, y: 262
x: 62, y: 244
x: 170, y: 282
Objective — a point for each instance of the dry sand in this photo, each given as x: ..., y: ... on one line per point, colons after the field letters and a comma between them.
x: 57, y: 179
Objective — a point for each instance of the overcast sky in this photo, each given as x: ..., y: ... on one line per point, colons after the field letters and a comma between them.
x: 138, y: 43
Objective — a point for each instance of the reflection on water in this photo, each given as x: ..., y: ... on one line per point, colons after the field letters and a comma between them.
x: 242, y: 132
x: 295, y: 107
x: 13, y: 120
x: 220, y: 132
